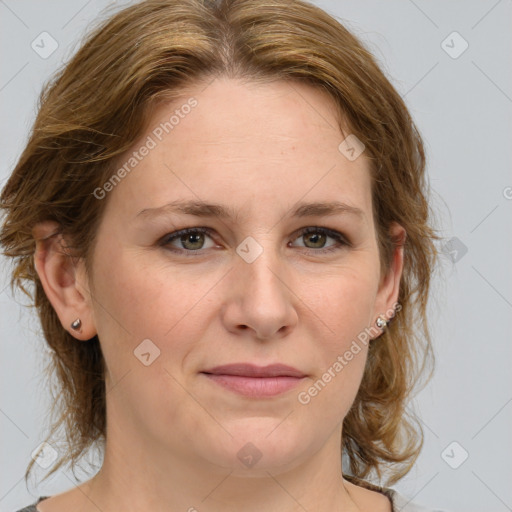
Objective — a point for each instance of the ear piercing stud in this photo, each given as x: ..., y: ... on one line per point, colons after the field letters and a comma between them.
x: 76, y: 325
x: 381, y: 322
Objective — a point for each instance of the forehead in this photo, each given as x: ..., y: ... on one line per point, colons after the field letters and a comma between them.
x: 244, y: 143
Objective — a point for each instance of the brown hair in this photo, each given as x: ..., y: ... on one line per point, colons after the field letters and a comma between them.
x: 98, y: 105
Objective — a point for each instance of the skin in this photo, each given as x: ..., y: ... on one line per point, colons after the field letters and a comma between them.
x: 173, y: 435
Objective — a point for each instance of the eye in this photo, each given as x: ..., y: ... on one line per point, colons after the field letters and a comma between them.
x: 316, y: 238
x: 189, y: 240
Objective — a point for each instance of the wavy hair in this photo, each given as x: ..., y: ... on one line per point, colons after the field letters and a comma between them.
x: 96, y: 107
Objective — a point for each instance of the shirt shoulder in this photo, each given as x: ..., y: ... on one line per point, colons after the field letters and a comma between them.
x: 29, y: 508
x: 33, y: 507
x: 399, y: 502
x: 403, y: 504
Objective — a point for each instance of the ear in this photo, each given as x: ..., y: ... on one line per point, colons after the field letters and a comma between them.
x: 64, y: 280
x: 389, y: 286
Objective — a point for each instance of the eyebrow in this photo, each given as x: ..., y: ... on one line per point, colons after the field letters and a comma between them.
x: 201, y: 209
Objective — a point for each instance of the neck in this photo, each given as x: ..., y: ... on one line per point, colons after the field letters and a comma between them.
x: 140, y: 476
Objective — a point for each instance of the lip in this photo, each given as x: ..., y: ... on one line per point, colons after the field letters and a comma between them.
x: 251, y: 370
x: 255, y: 381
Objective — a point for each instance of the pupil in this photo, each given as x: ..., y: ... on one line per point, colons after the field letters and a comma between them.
x: 192, y: 239
x: 317, y: 239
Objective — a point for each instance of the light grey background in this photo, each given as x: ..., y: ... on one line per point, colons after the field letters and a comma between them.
x: 463, y: 108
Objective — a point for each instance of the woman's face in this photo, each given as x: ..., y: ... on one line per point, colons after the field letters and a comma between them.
x: 247, y: 286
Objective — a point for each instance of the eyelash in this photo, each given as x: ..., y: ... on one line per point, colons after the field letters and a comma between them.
x: 340, y: 239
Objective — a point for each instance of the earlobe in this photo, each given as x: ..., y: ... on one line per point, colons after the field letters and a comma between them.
x: 59, y: 273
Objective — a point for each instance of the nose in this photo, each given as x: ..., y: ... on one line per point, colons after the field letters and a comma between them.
x: 261, y: 302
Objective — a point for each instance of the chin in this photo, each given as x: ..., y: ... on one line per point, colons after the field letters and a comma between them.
x: 260, y: 446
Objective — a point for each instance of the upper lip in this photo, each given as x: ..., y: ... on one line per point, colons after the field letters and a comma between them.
x: 251, y: 370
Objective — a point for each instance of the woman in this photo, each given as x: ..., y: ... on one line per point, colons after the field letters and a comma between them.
x: 223, y: 210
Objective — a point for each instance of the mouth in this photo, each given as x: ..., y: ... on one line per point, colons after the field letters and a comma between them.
x: 255, y: 381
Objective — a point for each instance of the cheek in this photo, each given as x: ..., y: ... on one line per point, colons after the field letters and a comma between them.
x: 136, y: 302
x: 344, y: 304
x: 344, y: 313
x: 134, y: 298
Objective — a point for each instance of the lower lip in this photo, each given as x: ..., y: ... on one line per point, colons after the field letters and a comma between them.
x: 255, y: 386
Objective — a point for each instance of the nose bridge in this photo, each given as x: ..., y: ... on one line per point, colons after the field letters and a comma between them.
x: 260, y: 265
x: 262, y: 300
